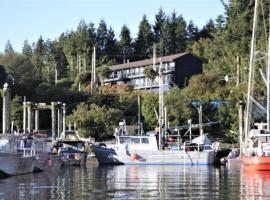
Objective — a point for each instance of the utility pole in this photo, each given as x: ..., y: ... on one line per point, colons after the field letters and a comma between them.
x: 55, y: 76
x: 154, y: 55
x: 79, y: 69
x: 93, y: 71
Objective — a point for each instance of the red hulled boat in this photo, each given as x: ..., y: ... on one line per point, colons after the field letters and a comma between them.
x: 255, y: 143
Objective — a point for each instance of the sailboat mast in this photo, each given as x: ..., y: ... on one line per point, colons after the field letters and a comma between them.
x: 139, y: 116
x: 251, y: 72
x: 161, y: 103
x: 268, y: 81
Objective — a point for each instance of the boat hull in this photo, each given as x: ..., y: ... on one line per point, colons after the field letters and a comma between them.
x: 256, y: 163
x: 15, y: 164
x: 111, y: 156
x: 74, y: 159
x: 44, y: 161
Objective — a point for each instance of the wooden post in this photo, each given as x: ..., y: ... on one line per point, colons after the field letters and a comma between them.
x: 24, y: 114
x: 6, y: 109
x: 64, y: 120
x: 58, y: 121
x: 53, y: 120
x: 36, y: 119
x: 29, y: 117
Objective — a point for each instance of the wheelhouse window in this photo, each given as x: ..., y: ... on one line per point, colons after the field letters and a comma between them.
x: 125, y: 140
x: 145, y: 141
x: 135, y: 140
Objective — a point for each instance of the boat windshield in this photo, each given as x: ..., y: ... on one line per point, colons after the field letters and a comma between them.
x: 264, y: 139
x: 133, y: 140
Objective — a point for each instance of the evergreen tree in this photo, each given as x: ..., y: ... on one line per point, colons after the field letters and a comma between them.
x: 70, y: 51
x: 39, y: 57
x: 27, y: 50
x: 179, y: 33
x: 144, y: 41
x: 111, y: 49
x: 160, y: 18
x: 17, y: 112
x: 125, y: 43
x: 208, y: 30
x: 85, y: 43
x: 192, y: 32
x: 102, y: 33
x: 3, y: 76
x: 8, y: 48
x: 165, y: 39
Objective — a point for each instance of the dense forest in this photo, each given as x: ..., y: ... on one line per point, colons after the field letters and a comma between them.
x: 218, y: 43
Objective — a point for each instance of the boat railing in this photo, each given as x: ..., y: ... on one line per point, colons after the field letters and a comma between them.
x: 28, y: 152
x: 187, y: 146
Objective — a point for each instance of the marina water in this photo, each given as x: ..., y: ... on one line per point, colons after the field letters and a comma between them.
x: 138, y: 182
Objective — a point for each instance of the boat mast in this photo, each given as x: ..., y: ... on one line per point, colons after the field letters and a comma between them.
x: 251, y: 73
x: 139, y: 116
x: 161, y: 104
x: 268, y: 81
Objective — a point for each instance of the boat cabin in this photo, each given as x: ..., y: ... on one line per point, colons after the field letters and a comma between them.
x: 259, y: 142
x: 144, y: 142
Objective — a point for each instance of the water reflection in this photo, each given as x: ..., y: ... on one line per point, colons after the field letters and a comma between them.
x: 165, y: 182
x: 138, y: 182
x: 255, y: 184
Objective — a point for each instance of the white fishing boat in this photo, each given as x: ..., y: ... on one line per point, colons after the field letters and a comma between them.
x: 144, y: 150
x: 149, y: 148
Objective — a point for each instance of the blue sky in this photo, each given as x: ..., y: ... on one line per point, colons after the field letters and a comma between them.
x: 28, y: 19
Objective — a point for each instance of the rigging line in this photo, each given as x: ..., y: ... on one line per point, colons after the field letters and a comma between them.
x: 106, y: 131
x: 264, y: 21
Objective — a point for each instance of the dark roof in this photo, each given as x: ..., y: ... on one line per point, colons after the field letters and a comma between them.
x: 147, y: 61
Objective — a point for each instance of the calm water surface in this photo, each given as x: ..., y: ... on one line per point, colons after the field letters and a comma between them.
x: 138, y: 182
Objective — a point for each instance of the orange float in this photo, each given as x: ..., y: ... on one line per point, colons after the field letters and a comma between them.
x: 133, y: 156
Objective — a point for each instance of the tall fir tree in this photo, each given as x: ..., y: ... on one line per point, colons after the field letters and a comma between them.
x: 8, y: 48
x: 27, y: 50
x: 165, y: 39
x: 160, y: 18
x: 125, y: 43
x: 102, y: 33
x: 39, y: 52
x: 144, y: 41
x: 192, y: 32
x: 179, y: 33
x: 111, y: 49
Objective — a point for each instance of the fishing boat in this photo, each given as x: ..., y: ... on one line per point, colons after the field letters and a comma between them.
x: 144, y: 150
x: 15, y: 159
x: 71, y: 148
x: 45, y: 159
x: 150, y: 149
x: 255, y: 142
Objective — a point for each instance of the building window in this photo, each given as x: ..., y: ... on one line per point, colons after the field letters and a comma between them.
x: 172, y: 66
